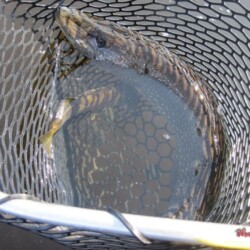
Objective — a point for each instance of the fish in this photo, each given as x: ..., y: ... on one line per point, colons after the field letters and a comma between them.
x: 103, y: 40
x: 92, y: 100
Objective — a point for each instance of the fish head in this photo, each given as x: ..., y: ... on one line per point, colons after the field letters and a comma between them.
x: 77, y: 28
x: 95, y: 38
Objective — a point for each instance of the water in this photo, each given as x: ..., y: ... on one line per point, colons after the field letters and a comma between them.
x: 143, y: 155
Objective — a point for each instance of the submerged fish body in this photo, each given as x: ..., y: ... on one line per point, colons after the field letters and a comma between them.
x: 107, y: 41
x: 91, y: 100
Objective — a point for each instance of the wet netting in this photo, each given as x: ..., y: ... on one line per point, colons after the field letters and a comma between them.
x: 212, y: 36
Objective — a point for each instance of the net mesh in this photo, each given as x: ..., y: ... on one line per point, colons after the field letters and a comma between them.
x: 211, y: 35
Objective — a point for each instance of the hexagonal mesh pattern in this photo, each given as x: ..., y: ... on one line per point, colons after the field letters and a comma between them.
x: 211, y: 35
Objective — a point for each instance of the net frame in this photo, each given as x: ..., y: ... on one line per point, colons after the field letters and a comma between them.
x: 208, y: 22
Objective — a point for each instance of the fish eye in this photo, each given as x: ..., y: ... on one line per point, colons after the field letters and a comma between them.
x: 100, y: 42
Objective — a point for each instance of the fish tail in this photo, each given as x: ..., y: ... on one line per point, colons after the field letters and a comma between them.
x: 46, y: 141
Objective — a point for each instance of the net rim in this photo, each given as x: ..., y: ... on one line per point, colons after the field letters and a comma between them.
x: 163, y: 229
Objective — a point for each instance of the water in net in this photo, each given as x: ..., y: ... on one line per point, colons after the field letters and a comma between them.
x: 143, y: 153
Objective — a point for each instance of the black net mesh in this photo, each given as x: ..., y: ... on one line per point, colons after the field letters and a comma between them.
x: 211, y: 35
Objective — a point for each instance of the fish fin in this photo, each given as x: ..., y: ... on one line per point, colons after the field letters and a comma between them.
x: 46, y: 141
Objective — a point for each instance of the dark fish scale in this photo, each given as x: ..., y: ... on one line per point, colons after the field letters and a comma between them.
x: 95, y: 99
